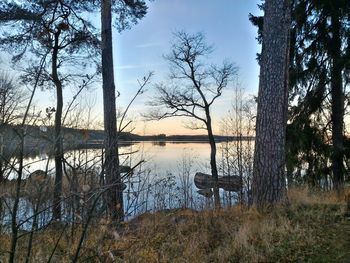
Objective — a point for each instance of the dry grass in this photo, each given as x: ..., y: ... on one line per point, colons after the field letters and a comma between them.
x: 303, y: 195
x: 302, y: 231
x: 312, y: 228
x: 225, y: 236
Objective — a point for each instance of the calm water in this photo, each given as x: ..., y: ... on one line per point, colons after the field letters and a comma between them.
x: 161, y: 157
x: 163, y: 180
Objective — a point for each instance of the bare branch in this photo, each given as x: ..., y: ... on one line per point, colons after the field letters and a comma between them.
x: 81, y: 87
x: 193, y: 86
x: 142, y: 84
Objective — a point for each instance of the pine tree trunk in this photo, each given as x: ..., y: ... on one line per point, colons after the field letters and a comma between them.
x: 114, y: 196
x: 337, y: 103
x: 269, y: 182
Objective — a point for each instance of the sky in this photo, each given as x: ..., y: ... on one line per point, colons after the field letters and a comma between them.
x: 225, y: 24
x: 140, y: 50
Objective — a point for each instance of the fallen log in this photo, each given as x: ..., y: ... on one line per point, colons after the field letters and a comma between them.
x: 228, y: 183
x: 203, y: 181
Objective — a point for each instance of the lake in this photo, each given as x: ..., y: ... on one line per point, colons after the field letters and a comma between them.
x: 163, y: 180
x: 158, y: 156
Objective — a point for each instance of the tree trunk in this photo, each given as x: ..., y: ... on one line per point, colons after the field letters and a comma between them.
x: 114, y: 195
x: 214, y: 169
x: 269, y: 185
x: 58, y: 147
x: 337, y: 103
x: 2, y: 178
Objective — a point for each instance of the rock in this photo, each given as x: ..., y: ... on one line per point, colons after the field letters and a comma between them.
x: 38, y: 176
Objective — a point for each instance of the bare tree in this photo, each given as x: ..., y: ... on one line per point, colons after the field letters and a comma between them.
x: 193, y: 88
x: 12, y: 106
x: 269, y: 157
x: 11, y: 109
x: 55, y: 28
x: 19, y: 171
x: 11, y: 99
x: 237, y: 155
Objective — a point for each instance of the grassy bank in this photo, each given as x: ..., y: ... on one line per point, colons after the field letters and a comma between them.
x: 312, y: 228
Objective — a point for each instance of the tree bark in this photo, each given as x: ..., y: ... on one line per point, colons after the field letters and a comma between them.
x: 114, y: 195
x: 58, y: 146
x: 269, y: 185
x: 337, y: 94
x: 213, y: 166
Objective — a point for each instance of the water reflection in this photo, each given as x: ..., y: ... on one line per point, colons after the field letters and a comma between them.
x: 159, y: 143
x: 164, y: 180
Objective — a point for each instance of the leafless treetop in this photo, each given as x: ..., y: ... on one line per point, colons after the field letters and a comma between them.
x: 193, y: 84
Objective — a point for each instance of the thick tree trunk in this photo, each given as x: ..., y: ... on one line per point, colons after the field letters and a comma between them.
x: 214, y: 169
x: 58, y: 146
x: 269, y: 182
x: 114, y: 196
x: 337, y: 104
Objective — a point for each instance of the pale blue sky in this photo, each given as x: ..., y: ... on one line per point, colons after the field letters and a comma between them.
x: 139, y: 50
x: 225, y: 24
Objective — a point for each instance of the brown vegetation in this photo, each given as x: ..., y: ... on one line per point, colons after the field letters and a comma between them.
x: 311, y: 228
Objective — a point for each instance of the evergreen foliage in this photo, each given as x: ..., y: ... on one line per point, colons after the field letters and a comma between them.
x: 318, y: 82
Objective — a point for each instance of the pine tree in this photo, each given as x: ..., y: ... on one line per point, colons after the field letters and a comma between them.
x: 319, y: 75
x: 269, y: 158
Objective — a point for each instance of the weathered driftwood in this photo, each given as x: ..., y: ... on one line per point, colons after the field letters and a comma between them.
x: 228, y: 183
x: 203, y: 181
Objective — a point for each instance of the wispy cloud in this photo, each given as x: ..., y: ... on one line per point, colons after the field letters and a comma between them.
x: 129, y: 66
x: 148, y: 45
x: 148, y: 65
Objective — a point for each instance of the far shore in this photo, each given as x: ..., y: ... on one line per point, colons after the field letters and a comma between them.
x: 38, y: 139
